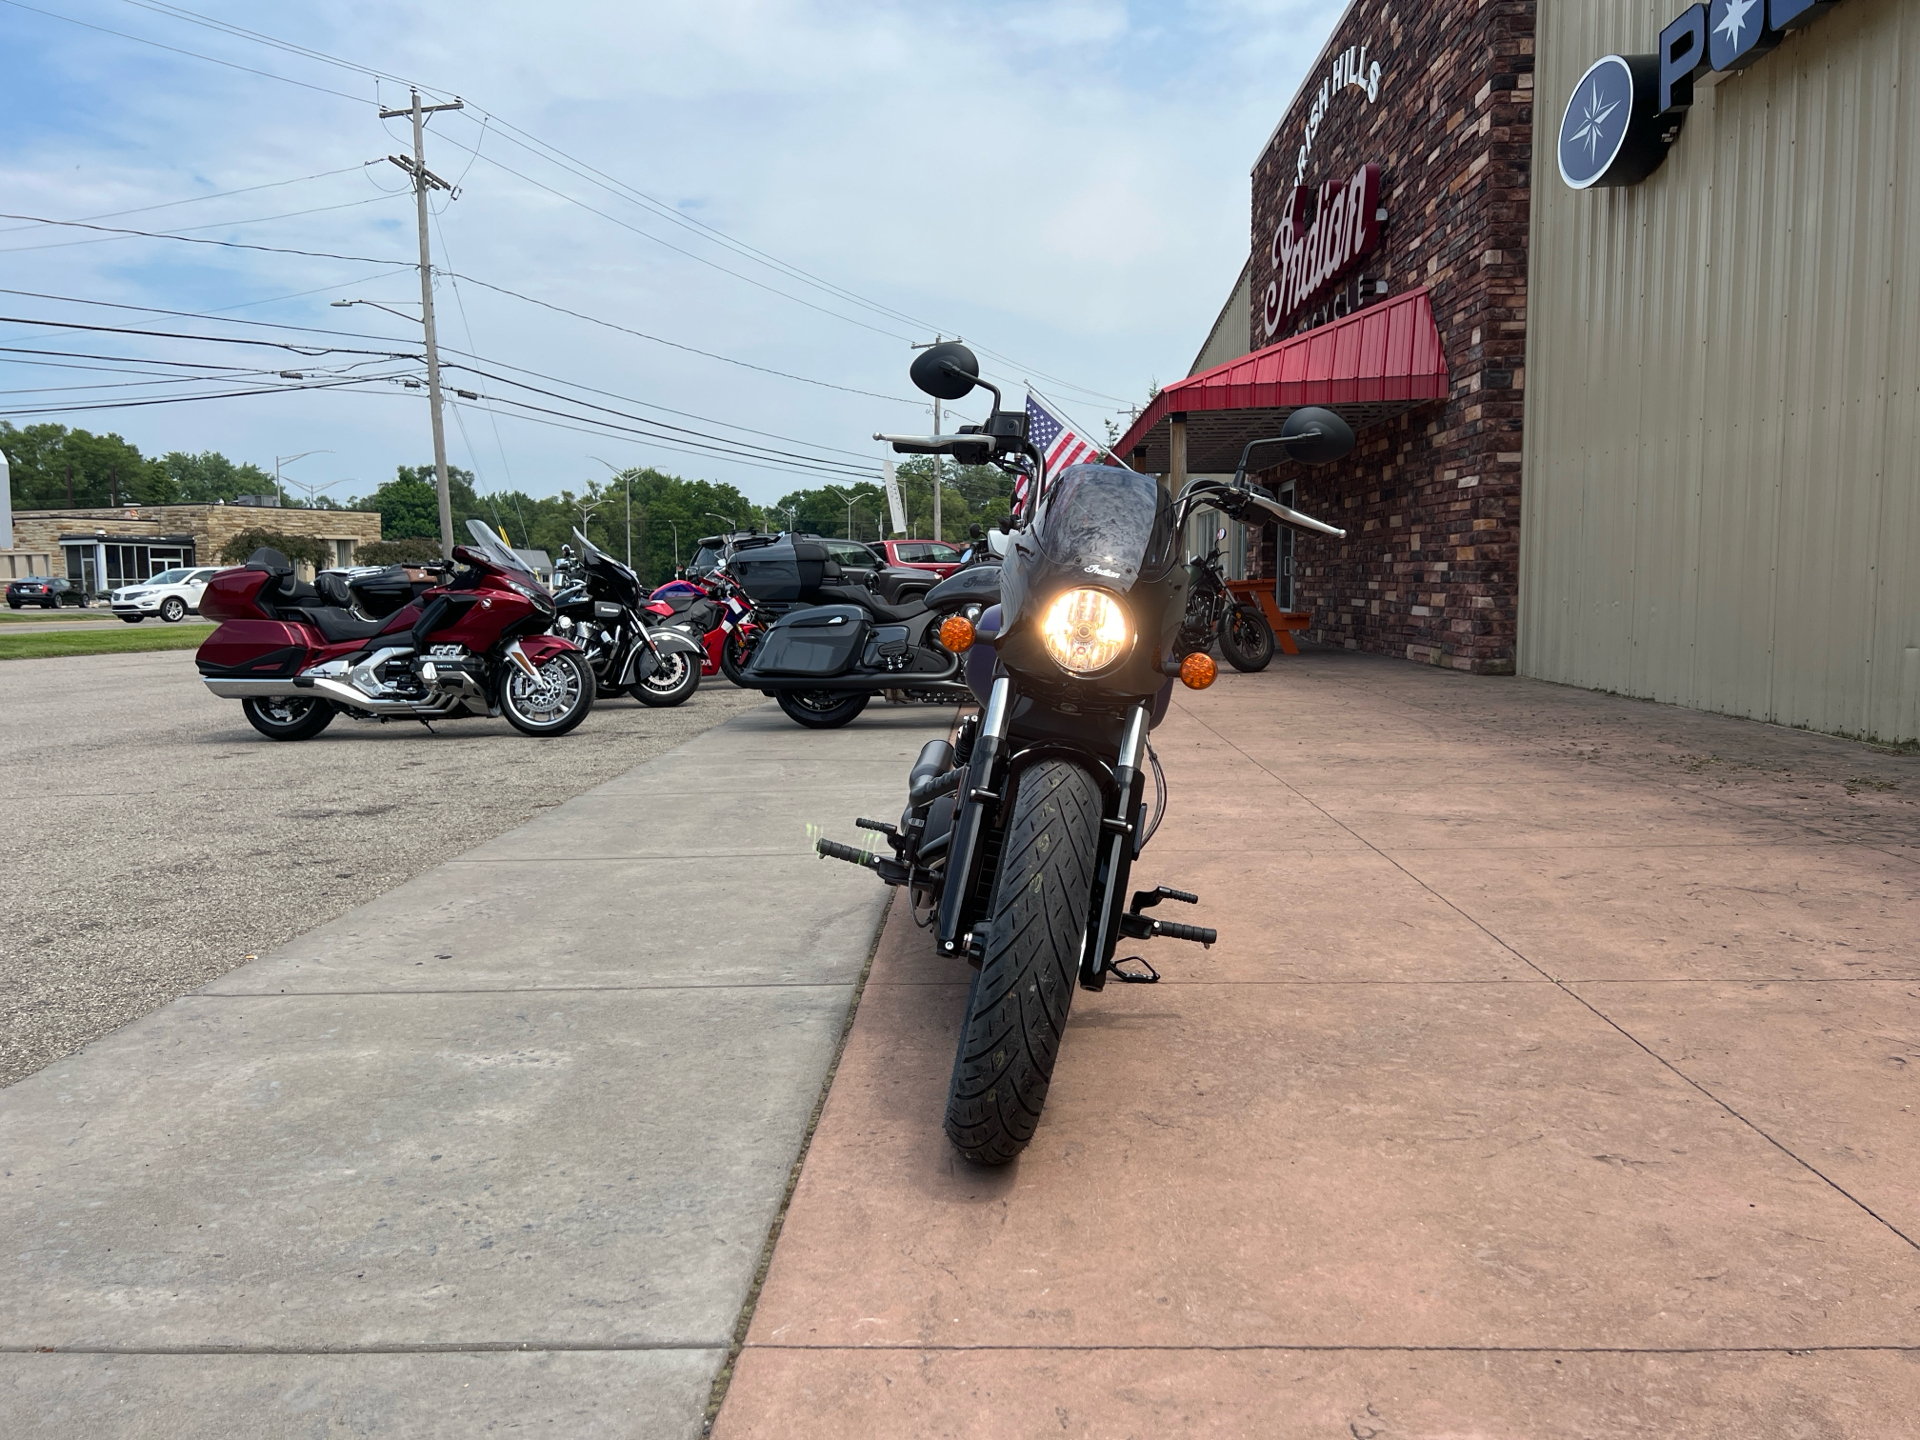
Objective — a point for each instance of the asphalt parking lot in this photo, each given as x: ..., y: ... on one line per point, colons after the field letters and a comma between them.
x: 156, y: 841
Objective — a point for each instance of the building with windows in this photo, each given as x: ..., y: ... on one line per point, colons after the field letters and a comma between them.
x: 107, y: 546
x: 1634, y: 377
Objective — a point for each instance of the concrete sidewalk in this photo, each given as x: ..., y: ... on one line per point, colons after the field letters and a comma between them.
x: 1555, y: 1076
x: 500, y: 1149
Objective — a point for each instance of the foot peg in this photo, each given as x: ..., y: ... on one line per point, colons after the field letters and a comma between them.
x: 1143, y: 927
x: 891, y: 871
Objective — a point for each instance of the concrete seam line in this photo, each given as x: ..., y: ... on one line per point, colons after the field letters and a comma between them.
x: 1566, y: 989
x: 400, y: 994
x: 721, y: 1381
x: 447, y: 1347
x: 912, y: 1348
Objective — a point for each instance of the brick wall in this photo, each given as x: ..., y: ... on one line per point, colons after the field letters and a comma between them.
x: 1431, y: 501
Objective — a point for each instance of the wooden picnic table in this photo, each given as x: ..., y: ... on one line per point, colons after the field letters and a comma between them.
x: 1284, y: 622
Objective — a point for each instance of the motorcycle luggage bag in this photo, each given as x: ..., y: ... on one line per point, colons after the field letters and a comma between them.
x: 786, y: 570
x: 384, y: 591
x: 820, y: 642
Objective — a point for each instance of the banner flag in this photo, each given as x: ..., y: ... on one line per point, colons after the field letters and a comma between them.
x: 897, y: 510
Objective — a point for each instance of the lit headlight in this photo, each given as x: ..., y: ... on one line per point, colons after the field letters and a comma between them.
x: 1085, y: 631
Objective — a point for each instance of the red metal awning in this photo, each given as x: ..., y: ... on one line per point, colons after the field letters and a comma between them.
x: 1368, y: 366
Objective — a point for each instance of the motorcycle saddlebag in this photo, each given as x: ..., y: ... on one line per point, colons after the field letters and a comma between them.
x: 820, y: 642
x: 786, y: 570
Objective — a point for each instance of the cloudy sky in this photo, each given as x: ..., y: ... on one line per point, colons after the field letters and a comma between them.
x: 801, y: 188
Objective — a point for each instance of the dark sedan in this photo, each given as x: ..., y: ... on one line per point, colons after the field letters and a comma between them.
x: 49, y: 592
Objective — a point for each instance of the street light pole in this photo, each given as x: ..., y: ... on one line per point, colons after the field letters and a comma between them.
x: 625, y: 477
x: 279, y: 489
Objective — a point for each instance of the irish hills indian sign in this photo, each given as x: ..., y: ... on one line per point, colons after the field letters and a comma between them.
x: 1324, y: 234
x: 1627, y: 110
x: 1310, y: 260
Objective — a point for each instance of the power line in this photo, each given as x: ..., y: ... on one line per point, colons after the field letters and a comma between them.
x: 181, y: 234
x: 549, y: 152
x: 219, y: 195
x: 191, y: 54
x: 297, y: 348
x: 675, y: 344
x: 196, y: 240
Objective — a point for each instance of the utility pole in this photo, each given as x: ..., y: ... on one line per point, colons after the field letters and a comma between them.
x: 423, y: 181
x: 937, y: 340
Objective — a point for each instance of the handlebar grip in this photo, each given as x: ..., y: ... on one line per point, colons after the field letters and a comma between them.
x: 1203, y: 934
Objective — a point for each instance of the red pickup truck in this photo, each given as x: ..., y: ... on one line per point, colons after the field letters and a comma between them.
x: 935, y: 555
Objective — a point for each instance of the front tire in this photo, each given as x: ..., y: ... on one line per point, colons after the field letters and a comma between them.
x: 173, y: 610
x: 552, y: 704
x: 1245, y: 638
x: 1017, y: 1009
x: 822, y: 709
x: 735, y: 652
x: 280, y: 718
x: 673, y: 679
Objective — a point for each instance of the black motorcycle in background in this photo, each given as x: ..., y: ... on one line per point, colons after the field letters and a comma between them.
x: 1020, y: 836
x: 600, y: 609
x: 1245, y: 637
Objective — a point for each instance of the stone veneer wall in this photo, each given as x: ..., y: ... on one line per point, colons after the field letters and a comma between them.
x: 1431, y: 500
x: 210, y: 525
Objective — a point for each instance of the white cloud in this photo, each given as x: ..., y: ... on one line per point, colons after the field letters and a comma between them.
x: 1065, y: 183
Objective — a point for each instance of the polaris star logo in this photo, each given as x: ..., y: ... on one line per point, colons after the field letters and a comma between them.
x: 1595, y: 125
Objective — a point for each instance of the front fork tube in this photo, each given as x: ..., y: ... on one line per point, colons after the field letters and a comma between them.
x: 963, y: 852
x: 1118, y: 838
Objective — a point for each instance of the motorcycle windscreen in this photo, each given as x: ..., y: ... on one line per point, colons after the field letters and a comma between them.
x: 495, y: 549
x: 1111, y: 525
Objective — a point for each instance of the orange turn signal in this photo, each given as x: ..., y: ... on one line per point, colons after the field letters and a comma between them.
x: 956, y: 633
x: 1198, y: 671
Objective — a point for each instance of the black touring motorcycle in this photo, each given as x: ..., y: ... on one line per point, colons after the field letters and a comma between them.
x: 1019, y: 836
x: 599, y: 602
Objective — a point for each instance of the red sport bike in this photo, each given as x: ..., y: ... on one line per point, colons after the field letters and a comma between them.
x: 381, y: 646
x: 716, y: 610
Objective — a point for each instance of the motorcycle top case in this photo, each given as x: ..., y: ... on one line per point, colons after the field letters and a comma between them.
x: 820, y: 642
x: 787, y: 570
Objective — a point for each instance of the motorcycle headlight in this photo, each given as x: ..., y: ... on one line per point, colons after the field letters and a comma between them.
x: 1086, y: 631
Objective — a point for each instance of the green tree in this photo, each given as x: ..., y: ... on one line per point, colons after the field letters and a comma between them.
x: 316, y: 553
x: 210, y: 476
x: 51, y: 463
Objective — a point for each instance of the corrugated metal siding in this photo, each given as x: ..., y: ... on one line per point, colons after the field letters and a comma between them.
x: 1721, y: 498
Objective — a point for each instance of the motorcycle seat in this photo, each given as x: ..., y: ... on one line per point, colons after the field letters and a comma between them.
x: 336, y: 624
x: 881, y: 611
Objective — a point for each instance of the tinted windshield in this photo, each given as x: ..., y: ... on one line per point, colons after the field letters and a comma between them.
x: 495, y: 549
x: 704, y: 560
x: 1113, y: 525
x: 170, y: 577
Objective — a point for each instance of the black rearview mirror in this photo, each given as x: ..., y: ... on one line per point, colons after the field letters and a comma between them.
x: 1313, y: 435
x: 946, y: 372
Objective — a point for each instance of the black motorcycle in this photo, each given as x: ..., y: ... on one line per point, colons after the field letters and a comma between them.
x: 836, y: 644
x: 1019, y: 836
x: 600, y: 609
x: 1245, y: 637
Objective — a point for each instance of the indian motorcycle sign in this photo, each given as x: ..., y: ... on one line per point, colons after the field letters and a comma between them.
x: 1310, y: 260
x: 1311, y: 257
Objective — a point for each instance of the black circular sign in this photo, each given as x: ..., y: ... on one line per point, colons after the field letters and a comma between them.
x: 1594, y: 128
x: 1611, y: 133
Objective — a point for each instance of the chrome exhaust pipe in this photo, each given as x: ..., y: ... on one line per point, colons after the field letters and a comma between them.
x: 301, y: 688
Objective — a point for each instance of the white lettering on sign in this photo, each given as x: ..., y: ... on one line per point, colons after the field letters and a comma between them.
x: 1350, y: 68
x: 1309, y: 259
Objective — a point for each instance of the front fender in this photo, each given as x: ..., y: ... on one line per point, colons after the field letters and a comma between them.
x: 542, y: 648
x: 655, y: 641
x: 673, y: 642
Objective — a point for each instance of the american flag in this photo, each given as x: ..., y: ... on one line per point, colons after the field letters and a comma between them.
x: 1056, y: 440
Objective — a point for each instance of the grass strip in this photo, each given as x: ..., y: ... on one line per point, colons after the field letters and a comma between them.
x: 120, y: 641
x: 34, y: 615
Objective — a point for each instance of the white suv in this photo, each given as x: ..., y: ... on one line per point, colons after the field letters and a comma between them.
x: 170, y: 595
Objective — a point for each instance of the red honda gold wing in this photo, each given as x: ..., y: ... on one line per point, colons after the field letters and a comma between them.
x: 295, y: 655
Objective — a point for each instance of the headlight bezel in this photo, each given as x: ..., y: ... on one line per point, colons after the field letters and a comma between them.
x: 1053, y: 642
